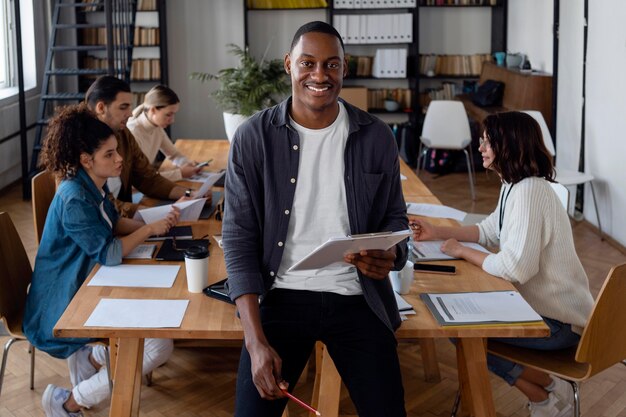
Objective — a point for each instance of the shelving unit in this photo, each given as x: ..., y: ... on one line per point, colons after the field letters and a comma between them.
x: 149, y: 49
x: 465, y: 33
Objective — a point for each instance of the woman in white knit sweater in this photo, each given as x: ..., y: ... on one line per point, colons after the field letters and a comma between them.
x: 537, y: 252
x: 148, y: 127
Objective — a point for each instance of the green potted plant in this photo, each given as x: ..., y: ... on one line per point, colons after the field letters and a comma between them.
x: 244, y: 90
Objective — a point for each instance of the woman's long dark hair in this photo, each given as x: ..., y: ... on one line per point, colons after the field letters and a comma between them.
x: 517, y: 144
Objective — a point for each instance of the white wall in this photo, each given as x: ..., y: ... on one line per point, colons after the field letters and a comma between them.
x: 605, y: 122
x: 197, y: 32
x: 530, y: 31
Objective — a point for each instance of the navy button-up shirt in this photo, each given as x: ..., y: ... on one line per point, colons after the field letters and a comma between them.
x: 261, y: 181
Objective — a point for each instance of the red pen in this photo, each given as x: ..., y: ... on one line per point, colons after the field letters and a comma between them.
x: 301, y: 403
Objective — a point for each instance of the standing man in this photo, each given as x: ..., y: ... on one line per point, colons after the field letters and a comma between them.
x: 111, y: 100
x: 307, y: 169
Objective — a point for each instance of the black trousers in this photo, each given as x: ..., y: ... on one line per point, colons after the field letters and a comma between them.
x: 362, y: 347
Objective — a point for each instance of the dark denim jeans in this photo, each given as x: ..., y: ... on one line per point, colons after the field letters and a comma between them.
x: 561, y: 337
x: 362, y: 347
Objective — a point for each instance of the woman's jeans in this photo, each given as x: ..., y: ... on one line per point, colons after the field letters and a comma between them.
x: 561, y: 337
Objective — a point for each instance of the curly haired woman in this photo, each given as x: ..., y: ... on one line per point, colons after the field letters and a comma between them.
x: 81, y: 229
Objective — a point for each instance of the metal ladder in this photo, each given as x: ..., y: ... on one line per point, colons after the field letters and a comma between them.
x: 66, y: 78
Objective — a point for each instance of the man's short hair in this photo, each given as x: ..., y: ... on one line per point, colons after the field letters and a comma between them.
x: 316, y: 26
x: 105, y: 89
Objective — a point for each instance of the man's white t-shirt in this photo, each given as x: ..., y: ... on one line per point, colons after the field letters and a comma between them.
x: 319, y: 210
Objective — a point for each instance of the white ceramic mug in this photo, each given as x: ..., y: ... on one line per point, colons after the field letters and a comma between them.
x: 197, y: 267
x: 401, y: 280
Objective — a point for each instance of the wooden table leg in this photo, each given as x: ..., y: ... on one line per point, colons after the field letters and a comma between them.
x: 429, y: 360
x: 127, y: 381
x: 327, y: 386
x: 476, y: 395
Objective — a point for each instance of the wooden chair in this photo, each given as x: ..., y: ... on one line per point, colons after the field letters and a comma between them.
x: 43, y: 187
x: 15, y: 276
x: 602, y: 345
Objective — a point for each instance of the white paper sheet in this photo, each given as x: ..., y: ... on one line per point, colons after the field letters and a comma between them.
x: 200, y: 176
x: 143, y: 251
x: 483, y: 307
x: 208, y: 183
x: 403, y: 177
x: 435, y: 210
x: 334, y: 249
x: 114, y: 312
x: 403, y: 306
x: 149, y: 276
x: 430, y: 250
x: 189, y: 211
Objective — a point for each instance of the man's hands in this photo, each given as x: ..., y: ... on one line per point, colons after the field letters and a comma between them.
x: 375, y: 264
x: 266, y: 366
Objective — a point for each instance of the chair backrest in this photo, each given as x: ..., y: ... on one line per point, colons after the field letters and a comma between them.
x: 603, y: 342
x: 562, y: 192
x: 15, y: 276
x: 43, y: 187
x: 547, y: 137
x: 446, y: 125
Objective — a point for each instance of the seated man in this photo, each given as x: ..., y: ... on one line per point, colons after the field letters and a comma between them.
x: 111, y: 101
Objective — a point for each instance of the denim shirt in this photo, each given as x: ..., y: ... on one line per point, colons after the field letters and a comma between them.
x: 75, y: 238
x: 260, y: 186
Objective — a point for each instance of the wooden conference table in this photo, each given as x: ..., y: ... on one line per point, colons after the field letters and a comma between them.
x: 207, y: 318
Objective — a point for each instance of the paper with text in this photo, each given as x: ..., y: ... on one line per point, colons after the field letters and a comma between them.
x: 435, y: 210
x: 149, y: 314
x: 189, y: 211
x: 208, y: 183
x: 143, y: 251
x: 149, y: 276
x: 483, y: 307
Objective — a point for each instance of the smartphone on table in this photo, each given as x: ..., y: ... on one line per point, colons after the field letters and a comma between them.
x: 203, y: 164
x: 435, y: 269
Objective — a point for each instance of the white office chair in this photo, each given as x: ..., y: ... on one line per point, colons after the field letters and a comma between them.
x: 446, y: 126
x: 563, y: 176
x: 562, y: 192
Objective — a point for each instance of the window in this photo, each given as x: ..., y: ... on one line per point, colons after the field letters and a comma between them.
x: 8, y: 49
x: 7, y: 59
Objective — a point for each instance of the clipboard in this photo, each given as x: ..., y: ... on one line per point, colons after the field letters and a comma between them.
x: 335, y: 248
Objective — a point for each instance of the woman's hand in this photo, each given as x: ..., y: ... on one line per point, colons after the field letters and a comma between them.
x: 453, y: 248
x: 163, y: 226
x: 422, y: 230
x: 189, y: 170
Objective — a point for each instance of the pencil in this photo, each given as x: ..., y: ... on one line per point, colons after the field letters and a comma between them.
x: 301, y: 403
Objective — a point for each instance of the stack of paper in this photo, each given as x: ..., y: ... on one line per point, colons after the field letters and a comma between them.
x: 403, y: 307
x: 472, y: 308
x: 430, y: 250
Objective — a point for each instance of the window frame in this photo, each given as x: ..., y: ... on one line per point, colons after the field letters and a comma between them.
x: 7, y: 38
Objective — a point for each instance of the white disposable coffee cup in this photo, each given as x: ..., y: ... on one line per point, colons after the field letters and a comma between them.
x: 401, y: 280
x: 197, y: 267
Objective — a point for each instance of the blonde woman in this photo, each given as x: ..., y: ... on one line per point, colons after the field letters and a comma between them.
x: 148, y: 124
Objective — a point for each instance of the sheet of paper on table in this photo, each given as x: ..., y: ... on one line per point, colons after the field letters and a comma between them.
x: 490, y: 307
x: 148, y: 276
x: 435, y: 210
x: 189, y: 211
x: 143, y: 251
x: 115, y: 312
x: 430, y: 250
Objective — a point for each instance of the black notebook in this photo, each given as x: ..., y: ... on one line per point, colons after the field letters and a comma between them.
x: 169, y: 253
x: 218, y: 291
x: 181, y: 232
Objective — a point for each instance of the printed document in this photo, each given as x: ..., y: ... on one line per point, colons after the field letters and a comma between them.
x: 211, y: 179
x: 149, y: 314
x: 189, y: 211
x: 480, y: 308
x: 435, y: 210
x: 143, y: 251
x: 149, y: 276
x: 430, y: 250
x: 336, y: 248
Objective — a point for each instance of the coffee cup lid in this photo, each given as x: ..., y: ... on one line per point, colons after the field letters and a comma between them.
x: 196, y: 252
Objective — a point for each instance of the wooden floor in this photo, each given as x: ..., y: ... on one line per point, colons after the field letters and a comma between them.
x: 201, y: 381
